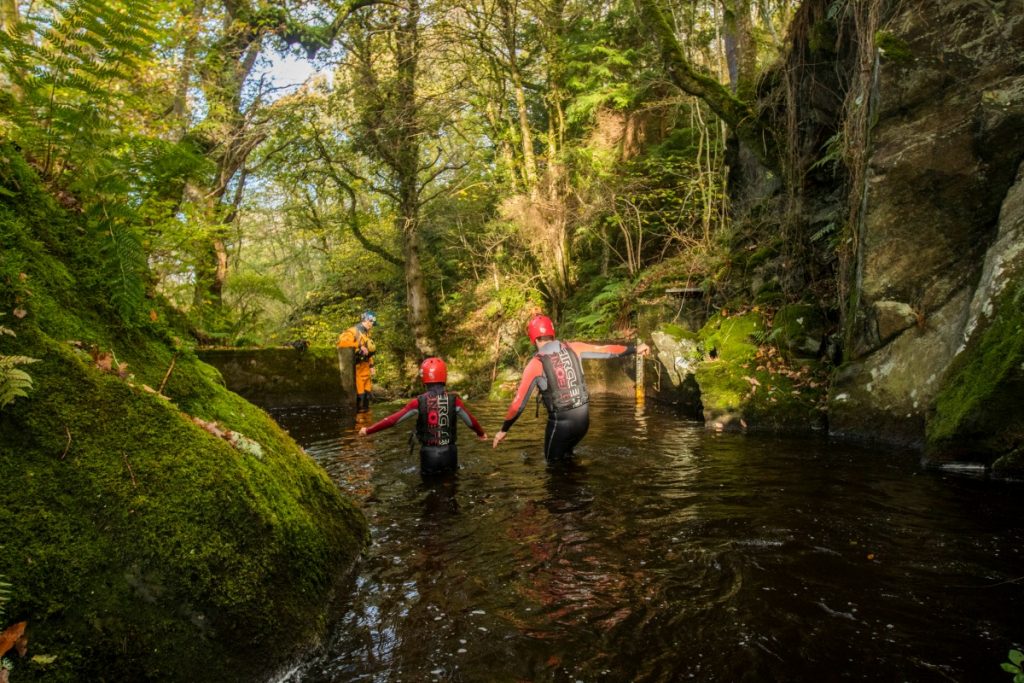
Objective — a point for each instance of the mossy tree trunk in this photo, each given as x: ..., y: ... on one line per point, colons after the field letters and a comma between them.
x: 739, y: 114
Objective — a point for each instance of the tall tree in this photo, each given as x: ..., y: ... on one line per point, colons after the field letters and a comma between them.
x: 739, y: 114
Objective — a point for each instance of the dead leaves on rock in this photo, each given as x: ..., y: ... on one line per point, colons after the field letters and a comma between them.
x: 239, y: 441
x: 14, y: 636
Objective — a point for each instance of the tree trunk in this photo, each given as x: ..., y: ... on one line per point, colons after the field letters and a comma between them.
x: 407, y: 174
x: 740, y: 48
x: 739, y: 114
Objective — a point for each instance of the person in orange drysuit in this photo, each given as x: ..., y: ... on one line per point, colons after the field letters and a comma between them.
x: 358, y: 339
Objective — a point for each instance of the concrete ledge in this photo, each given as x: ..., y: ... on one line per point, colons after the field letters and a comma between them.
x: 274, y: 378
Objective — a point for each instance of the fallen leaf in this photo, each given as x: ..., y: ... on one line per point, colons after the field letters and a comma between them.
x: 153, y: 316
x: 122, y: 370
x: 19, y: 313
x: 22, y: 276
x: 105, y: 362
x: 10, y: 636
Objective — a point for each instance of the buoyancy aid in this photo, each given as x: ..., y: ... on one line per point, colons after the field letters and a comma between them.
x: 436, y: 424
x: 564, y: 373
x: 361, y: 339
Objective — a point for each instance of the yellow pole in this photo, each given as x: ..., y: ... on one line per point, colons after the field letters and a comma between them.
x: 639, y: 378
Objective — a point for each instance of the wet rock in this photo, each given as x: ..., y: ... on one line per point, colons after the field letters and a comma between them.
x: 977, y: 411
x: 893, y: 317
x: 677, y: 352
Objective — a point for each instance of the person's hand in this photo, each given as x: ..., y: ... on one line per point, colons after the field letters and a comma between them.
x: 483, y: 437
x: 363, y: 350
x: 498, y: 438
x: 362, y: 432
x: 642, y: 349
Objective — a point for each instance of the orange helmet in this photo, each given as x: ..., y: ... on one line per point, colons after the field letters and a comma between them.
x: 540, y: 326
x: 433, y: 370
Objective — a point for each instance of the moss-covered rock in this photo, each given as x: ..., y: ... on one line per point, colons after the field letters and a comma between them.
x: 978, y: 412
x: 798, y: 330
x: 141, y: 546
x: 747, y: 385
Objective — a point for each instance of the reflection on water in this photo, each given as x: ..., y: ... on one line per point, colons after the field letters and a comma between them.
x: 665, y: 552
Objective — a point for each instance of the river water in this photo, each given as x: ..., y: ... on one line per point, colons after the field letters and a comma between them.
x: 666, y: 552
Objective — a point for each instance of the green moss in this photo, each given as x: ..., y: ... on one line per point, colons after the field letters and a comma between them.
x: 797, y: 330
x: 678, y: 332
x: 978, y: 407
x: 140, y: 546
x: 732, y: 338
x: 762, y: 255
x: 893, y: 48
x: 738, y: 387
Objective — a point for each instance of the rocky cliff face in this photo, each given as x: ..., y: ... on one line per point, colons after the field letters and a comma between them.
x: 940, y: 244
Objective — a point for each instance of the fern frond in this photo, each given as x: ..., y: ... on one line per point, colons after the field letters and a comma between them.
x: 126, y: 266
x: 14, y: 383
x: 5, y: 597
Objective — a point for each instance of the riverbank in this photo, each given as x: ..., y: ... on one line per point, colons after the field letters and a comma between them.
x: 159, y: 527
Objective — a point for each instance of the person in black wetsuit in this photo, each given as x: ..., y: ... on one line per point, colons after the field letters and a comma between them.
x: 556, y: 371
x: 435, y: 411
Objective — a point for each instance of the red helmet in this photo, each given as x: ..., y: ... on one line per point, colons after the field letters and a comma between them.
x: 433, y: 370
x: 540, y: 326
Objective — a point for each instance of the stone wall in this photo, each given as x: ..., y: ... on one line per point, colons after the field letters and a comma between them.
x: 273, y: 378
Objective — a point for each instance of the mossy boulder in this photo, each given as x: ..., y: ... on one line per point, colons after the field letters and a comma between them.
x: 978, y: 412
x: 799, y: 330
x: 139, y: 544
x: 746, y: 384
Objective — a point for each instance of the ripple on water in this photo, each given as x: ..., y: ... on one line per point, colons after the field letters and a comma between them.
x: 666, y: 553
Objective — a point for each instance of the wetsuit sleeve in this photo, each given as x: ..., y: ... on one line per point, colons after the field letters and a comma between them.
x: 347, y: 339
x: 411, y: 409
x: 467, y: 417
x: 533, y: 372
x: 601, y: 351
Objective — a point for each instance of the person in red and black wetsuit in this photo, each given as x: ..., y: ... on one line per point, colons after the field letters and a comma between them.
x: 557, y: 372
x: 435, y: 411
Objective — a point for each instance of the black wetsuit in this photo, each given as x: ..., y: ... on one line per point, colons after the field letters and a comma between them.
x: 557, y: 372
x: 435, y: 411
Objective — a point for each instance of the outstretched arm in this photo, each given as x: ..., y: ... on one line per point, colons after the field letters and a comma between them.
x: 410, y: 409
x: 531, y: 375
x: 603, y: 351
x: 467, y: 417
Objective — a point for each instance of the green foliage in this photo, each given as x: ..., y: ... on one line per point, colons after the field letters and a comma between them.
x: 74, y: 67
x: 249, y: 293
x: 1015, y: 666
x: 604, y: 311
x: 833, y: 153
x: 14, y: 383
x: 5, y: 596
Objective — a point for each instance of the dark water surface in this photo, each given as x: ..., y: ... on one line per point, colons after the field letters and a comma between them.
x: 667, y: 553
